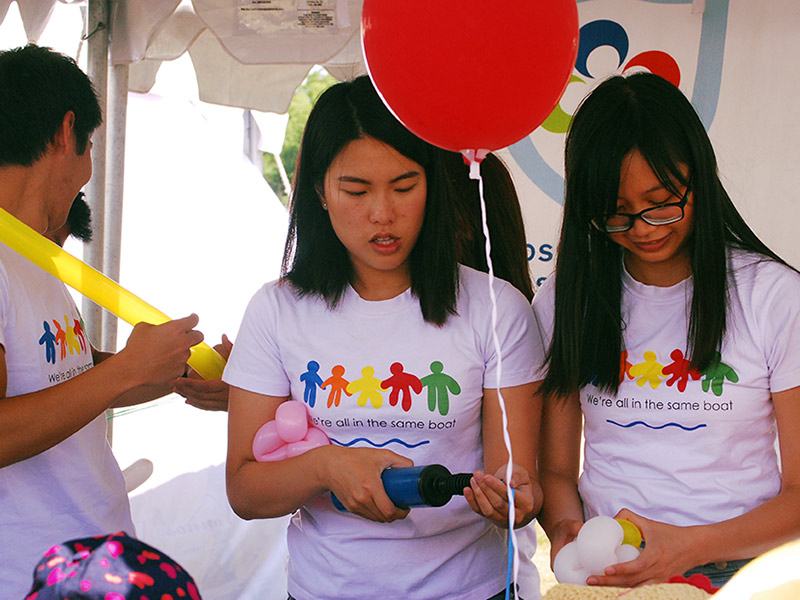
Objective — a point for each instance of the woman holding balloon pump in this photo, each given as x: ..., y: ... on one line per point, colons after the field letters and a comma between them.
x: 372, y: 298
x: 673, y: 335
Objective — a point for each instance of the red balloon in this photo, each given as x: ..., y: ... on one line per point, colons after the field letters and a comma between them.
x: 472, y: 74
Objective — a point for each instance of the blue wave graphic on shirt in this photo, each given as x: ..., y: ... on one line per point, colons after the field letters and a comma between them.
x: 386, y: 443
x: 678, y: 425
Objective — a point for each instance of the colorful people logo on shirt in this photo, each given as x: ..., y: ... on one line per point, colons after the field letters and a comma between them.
x: 440, y: 385
x: 401, y: 383
x: 69, y: 339
x: 61, y: 339
x: 338, y: 385
x: 48, y: 340
x: 312, y: 380
x: 716, y: 374
x: 678, y: 372
x: 369, y: 389
x: 77, y: 327
x: 648, y: 371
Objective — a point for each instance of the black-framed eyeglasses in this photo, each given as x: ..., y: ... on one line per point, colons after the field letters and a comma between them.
x: 663, y: 214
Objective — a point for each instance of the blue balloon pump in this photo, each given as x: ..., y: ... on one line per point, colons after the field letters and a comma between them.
x: 429, y: 485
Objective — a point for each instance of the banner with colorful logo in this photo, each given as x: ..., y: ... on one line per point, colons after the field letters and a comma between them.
x: 734, y: 59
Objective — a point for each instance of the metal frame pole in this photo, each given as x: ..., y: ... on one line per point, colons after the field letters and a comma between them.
x: 97, y: 66
x: 115, y: 169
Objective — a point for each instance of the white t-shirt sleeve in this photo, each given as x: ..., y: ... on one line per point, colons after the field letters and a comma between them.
x: 516, y: 333
x: 781, y: 341
x: 255, y: 362
x: 544, y: 314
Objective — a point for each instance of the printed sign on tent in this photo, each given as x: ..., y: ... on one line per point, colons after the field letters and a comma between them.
x: 615, y: 38
x: 668, y: 37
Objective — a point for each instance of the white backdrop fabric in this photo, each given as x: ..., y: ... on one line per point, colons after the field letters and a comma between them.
x: 202, y: 231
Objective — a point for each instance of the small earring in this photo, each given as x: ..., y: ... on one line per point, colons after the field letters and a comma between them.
x: 325, y: 205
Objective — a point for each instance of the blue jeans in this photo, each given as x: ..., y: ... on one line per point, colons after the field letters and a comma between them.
x: 719, y: 573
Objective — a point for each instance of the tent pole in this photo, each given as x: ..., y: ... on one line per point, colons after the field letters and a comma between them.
x: 97, y: 65
x: 115, y: 169
x: 97, y: 30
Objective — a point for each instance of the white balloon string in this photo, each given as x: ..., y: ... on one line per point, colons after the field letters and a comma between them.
x: 475, y: 174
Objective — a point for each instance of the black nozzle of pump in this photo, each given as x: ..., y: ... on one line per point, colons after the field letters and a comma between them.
x: 430, y: 485
x: 435, y: 486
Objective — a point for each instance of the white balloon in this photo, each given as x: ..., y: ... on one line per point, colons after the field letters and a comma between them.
x: 597, y: 542
x: 602, y: 528
x: 567, y: 567
x: 626, y: 552
x: 595, y: 557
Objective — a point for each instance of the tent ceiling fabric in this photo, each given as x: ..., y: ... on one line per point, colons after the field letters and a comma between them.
x: 281, y: 31
x: 223, y: 80
x: 35, y: 14
x: 245, y: 53
x: 133, y: 24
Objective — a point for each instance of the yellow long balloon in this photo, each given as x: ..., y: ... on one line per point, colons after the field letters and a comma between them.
x: 97, y: 287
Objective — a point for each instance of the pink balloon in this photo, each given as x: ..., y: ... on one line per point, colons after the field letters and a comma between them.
x: 314, y: 439
x: 288, y: 435
x: 266, y: 439
x: 292, y: 421
x: 278, y: 454
x: 316, y: 434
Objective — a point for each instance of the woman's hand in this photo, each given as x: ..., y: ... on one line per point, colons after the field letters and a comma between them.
x: 354, y: 475
x: 206, y: 394
x: 667, y: 552
x: 564, y: 532
x: 488, y: 496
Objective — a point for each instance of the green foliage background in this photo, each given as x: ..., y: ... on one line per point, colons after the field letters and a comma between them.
x: 318, y: 81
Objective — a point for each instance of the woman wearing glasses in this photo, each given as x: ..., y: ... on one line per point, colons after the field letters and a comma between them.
x: 673, y: 337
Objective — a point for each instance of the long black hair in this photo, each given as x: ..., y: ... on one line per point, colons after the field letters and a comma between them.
x: 646, y: 113
x: 509, y: 253
x: 314, y: 260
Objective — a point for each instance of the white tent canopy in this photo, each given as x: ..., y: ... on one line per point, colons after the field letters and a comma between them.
x: 246, y: 54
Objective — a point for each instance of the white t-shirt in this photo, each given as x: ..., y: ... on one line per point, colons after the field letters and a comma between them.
x: 401, y: 384
x: 683, y: 447
x: 75, y: 489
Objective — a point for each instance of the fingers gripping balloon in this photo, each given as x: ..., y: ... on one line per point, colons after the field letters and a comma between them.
x: 97, y: 287
x: 288, y: 435
x: 601, y: 542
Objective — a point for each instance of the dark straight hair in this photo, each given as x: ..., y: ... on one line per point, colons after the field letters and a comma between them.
x: 314, y: 260
x: 641, y: 112
x: 37, y: 88
x: 509, y: 252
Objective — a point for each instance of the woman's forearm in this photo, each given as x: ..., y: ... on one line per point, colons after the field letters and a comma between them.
x: 259, y: 490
